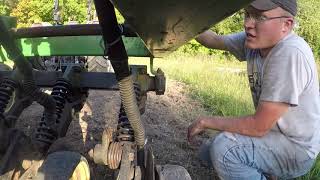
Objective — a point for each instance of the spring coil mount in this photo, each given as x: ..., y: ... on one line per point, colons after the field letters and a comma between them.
x: 47, y: 131
x: 124, y: 129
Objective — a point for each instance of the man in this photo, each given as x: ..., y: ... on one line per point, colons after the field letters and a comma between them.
x: 282, y: 138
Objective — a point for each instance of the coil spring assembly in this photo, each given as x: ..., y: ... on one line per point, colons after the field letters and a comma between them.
x: 47, y: 131
x: 108, y: 152
x: 7, y: 87
x: 59, y: 93
x: 124, y: 128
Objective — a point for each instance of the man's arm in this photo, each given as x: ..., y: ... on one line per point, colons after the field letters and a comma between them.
x: 256, y: 125
x: 211, y: 40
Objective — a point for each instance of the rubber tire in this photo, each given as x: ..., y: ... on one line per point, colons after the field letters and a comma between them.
x: 99, y: 64
x: 60, y: 165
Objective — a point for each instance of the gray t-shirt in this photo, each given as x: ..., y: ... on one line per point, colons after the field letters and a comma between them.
x: 288, y: 74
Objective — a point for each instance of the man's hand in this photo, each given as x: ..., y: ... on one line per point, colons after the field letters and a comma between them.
x: 195, y: 128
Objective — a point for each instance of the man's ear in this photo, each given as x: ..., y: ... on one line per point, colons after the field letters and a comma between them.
x: 288, y: 24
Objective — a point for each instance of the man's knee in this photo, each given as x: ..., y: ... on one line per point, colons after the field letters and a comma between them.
x: 221, y: 145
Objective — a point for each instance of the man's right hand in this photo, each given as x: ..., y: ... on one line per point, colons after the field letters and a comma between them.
x: 197, y: 127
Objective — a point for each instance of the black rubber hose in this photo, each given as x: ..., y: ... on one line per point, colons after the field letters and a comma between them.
x: 111, y: 32
x: 117, y: 54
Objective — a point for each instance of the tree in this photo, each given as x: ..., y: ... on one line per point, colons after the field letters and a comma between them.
x: 309, y: 23
x: 31, y: 11
x: 4, y: 9
x: 6, y: 6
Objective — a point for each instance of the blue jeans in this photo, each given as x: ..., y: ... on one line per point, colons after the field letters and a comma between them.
x: 238, y: 157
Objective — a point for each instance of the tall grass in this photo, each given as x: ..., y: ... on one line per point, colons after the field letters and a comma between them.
x: 220, y: 85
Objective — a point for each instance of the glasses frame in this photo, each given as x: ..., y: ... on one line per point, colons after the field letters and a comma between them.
x: 259, y: 18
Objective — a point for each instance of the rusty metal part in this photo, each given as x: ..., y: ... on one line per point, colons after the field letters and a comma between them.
x: 100, y: 151
x: 160, y: 82
x: 126, y: 167
x: 137, y: 173
x: 114, y: 155
x: 149, y: 169
x: 108, y: 153
x: 32, y: 170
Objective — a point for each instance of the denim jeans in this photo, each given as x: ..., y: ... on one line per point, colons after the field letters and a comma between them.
x: 238, y: 157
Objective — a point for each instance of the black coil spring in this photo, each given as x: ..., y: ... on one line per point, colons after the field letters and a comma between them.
x: 60, y: 94
x: 47, y: 131
x: 7, y: 87
x: 124, y: 129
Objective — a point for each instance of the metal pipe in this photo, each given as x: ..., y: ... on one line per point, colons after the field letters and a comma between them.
x: 67, y: 30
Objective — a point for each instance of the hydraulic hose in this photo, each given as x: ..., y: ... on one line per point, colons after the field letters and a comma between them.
x: 117, y: 54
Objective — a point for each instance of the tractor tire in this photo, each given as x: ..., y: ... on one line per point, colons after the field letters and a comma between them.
x: 64, y: 165
x: 99, y: 64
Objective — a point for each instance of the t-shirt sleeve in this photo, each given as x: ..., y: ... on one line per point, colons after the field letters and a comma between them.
x: 286, y: 75
x: 235, y: 44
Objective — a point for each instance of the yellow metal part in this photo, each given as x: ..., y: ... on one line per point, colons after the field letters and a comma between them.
x: 81, y: 172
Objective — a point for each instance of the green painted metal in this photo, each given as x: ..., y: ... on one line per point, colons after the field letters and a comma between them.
x: 74, y: 46
x: 69, y: 45
x: 77, y: 46
x: 167, y: 24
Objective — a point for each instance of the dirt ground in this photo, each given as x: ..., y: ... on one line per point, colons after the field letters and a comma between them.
x: 166, y: 120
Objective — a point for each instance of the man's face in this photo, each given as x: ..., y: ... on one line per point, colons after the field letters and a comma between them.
x: 264, y: 29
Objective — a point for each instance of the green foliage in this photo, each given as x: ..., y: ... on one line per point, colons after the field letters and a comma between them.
x: 29, y: 12
x: 72, y: 10
x: 221, y: 86
x: 6, y: 6
x: 4, y: 9
x: 309, y: 23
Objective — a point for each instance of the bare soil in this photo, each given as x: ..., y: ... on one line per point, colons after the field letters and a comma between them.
x: 166, y: 120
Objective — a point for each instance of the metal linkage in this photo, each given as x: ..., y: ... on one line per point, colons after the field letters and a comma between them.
x: 47, y: 132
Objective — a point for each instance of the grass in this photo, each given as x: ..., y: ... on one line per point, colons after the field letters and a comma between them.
x: 220, y: 85
x: 220, y: 91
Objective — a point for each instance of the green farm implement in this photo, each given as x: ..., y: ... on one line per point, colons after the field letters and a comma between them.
x: 57, y: 57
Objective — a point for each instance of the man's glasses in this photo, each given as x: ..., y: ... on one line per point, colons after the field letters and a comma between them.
x: 258, y: 18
